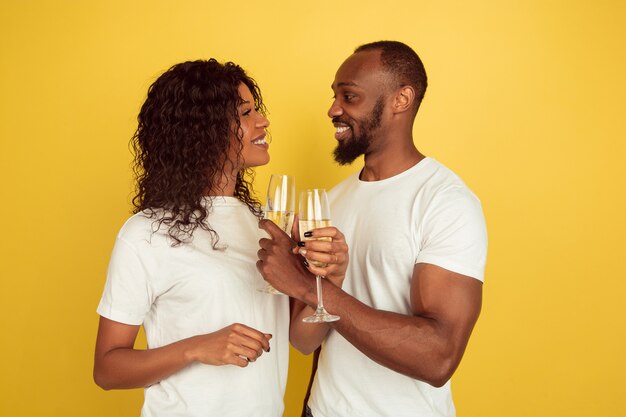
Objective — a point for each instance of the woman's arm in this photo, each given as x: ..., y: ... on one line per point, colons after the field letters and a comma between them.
x: 118, y: 365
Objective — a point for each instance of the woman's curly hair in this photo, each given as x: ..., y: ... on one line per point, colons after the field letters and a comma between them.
x: 182, y: 143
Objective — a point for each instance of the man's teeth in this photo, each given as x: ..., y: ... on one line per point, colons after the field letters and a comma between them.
x: 259, y: 141
x: 341, y: 129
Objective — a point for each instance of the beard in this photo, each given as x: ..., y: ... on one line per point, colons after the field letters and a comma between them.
x: 348, y: 150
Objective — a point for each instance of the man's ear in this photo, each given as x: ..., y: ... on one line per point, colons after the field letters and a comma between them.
x: 404, y: 99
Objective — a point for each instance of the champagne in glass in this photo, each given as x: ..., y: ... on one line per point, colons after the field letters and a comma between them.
x: 315, y: 213
x: 279, y: 208
x: 282, y: 219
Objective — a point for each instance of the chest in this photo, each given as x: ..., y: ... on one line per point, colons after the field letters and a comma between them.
x: 198, y: 271
x: 383, y: 236
x: 381, y: 228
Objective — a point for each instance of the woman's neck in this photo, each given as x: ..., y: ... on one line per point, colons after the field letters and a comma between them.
x: 224, y: 187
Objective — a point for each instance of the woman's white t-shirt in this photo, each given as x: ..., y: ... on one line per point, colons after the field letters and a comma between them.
x: 192, y: 289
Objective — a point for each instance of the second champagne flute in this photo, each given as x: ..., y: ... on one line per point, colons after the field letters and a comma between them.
x: 279, y: 208
x: 315, y: 213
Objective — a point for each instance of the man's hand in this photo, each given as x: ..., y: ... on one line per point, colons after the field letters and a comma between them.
x: 283, y: 269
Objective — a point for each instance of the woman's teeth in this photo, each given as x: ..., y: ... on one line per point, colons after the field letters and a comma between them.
x: 259, y: 141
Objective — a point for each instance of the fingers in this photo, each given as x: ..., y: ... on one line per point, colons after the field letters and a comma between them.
x: 253, y: 338
x: 331, y: 232
x: 265, y: 243
x: 324, y: 246
x: 332, y: 253
x: 325, y: 258
x: 325, y: 239
x: 245, y: 345
x: 277, y: 237
x: 270, y: 227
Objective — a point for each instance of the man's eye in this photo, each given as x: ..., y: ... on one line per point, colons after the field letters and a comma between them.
x: 348, y: 97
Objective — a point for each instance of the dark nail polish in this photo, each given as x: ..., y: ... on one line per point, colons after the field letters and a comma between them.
x: 300, y: 244
x: 308, y: 234
x: 306, y: 263
x: 268, y: 349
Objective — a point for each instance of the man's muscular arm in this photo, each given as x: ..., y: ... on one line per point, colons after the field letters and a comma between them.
x: 427, y: 345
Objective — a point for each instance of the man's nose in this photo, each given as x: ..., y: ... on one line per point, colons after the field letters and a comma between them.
x: 335, y: 110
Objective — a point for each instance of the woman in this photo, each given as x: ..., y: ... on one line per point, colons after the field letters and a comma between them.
x: 184, y: 265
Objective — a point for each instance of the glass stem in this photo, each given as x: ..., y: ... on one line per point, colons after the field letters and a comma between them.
x: 320, y: 302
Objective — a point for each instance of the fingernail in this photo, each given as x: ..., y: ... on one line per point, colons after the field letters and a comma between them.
x: 268, y: 349
x: 306, y: 263
x: 308, y: 234
x: 301, y: 243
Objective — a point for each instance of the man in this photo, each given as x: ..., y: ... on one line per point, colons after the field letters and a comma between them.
x: 417, y: 249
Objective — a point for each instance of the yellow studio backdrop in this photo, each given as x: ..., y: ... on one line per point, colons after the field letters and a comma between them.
x: 525, y: 103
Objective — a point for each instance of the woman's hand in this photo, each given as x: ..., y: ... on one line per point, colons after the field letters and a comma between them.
x: 236, y: 344
x: 117, y: 364
x: 328, y: 247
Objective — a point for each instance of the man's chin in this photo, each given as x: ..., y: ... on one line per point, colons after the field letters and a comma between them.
x: 345, y: 156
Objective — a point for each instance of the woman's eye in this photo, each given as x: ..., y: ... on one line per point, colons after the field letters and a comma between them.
x: 247, y: 112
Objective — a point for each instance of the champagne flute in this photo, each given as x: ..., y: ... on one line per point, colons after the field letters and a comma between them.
x: 279, y: 208
x: 315, y: 213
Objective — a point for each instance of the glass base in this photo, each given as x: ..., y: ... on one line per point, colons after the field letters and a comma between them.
x: 268, y: 289
x: 320, y: 316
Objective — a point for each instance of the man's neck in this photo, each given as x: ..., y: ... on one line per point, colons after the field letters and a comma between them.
x: 390, y: 161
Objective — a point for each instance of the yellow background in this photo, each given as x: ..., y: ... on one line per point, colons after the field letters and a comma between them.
x: 526, y: 103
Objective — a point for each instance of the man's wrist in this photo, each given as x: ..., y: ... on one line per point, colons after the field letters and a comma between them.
x: 308, y: 292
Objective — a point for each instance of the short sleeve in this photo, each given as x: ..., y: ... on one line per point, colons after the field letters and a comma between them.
x: 454, y: 234
x: 127, y: 296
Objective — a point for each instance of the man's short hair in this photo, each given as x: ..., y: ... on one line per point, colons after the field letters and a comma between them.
x: 402, y: 63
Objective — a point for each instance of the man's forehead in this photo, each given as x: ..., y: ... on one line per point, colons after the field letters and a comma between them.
x: 359, y: 68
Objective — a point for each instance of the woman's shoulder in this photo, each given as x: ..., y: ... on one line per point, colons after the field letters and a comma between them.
x: 139, y: 227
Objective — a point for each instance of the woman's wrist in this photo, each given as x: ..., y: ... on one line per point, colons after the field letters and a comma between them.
x: 190, y: 354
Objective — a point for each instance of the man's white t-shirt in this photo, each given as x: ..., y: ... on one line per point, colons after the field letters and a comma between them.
x: 425, y: 214
x: 193, y: 289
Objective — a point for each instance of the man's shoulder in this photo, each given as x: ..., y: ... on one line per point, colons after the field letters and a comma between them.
x: 443, y: 181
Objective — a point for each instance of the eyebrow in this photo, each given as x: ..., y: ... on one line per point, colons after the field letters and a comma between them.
x: 345, y: 84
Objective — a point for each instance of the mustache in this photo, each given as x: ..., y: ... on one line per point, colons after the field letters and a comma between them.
x: 340, y: 120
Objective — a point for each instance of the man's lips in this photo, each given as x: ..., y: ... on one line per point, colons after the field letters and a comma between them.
x: 341, y: 131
